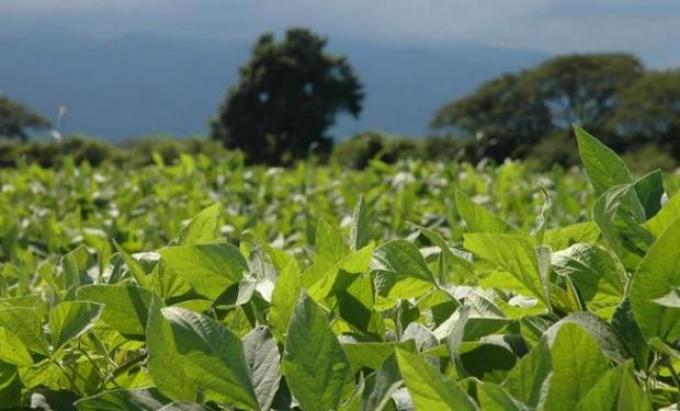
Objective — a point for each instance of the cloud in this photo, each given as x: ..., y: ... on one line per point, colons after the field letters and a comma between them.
x: 646, y: 27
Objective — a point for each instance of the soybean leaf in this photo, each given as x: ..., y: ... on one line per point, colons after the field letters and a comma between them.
x: 126, y: 307
x: 563, y: 237
x: 70, y: 319
x: 12, y: 349
x: 314, y: 363
x: 208, y: 268
x: 360, y: 233
x: 402, y: 270
x: 429, y: 389
x: 212, y: 357
x: 619, y: 215
x: 133, y: 266
x: 162, y: 350
x: 512, y: 253
x: 616, y: 390
x: 527, y: 379
x: 26, y: 325
x: 668, y: 214
x: 605, y: 169
x: 607, y: 339
x: 477, y: 218
x: 649, y: 189
x: 657, y: 275
x: 263, y: 357
x: 285, y: 295
x: 493, y: 397
x: 123, y: 400
x: 573, y: 375
x: 387, y: 381
x: 203, y: 228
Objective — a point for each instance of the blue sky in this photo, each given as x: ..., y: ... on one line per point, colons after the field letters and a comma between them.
x: 649, y: 28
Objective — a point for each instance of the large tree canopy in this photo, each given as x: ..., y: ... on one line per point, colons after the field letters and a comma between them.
x: 288, y: 95
x: 649, y: 111
x: 515, y: 111
x: 503, y: 114
x: 16, y: 120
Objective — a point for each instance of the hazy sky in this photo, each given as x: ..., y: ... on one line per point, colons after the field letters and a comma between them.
x: 649, y: 28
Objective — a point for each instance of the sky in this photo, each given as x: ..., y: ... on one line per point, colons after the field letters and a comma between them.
x: 648, y: 28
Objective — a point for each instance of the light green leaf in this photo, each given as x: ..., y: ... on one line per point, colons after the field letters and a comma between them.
x: 26, y: 325
x: 668, y: 214
x: 527, y: 379
x: 493, y: 397
x: 657, y: 275
x: 134, y: 267
x: 512, y: 253
x: 341, y: 274
x: 373, y: 354
x: 616, y: 390
x: 605, y: 169
x: 402, y: 270
x: 203, y: 228
x: 477, y: 218
x: 314, y: 363
x: 330, y: 246
x: 126, y: 307
x: 12, y: 349
x: 592, y: 270
x: 563, y: 237
x: 604, y: 334
x: 171, y: 381
x: 429, y: 389
x: 360, y: 233
x: 70, y: 319
x: 263, y: 357
x: 284, y: 296
x: 619, y: 215
x: 212, y: 357
x: 209, y: 268
x: 577, y: 365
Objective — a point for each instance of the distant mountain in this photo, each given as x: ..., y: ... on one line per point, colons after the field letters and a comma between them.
x: 140, y: 84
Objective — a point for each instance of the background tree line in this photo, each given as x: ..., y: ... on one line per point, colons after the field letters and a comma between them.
x: 291, y: 90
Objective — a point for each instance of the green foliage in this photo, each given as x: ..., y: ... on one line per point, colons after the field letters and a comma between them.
x: 210, y: 285
x: 649, y: 111
x: 16, y: 120
x: 529, y: 114
x: 288, y: 95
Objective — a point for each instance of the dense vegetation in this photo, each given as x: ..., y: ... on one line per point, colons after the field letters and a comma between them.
x: 287, y: 97
x: 613, y: 95
x: 211, y: 285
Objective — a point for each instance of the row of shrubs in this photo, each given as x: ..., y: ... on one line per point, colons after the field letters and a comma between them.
x: 559, y: 149
x: 132, y: 153
x: 355, y: 152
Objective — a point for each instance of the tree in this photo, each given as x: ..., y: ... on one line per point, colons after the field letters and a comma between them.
x: 649, y: 111
x: 583, y: 89
x: 287, y: 97
x: 16, y: 120
x: 513, y: 112
x: 503, y: 115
